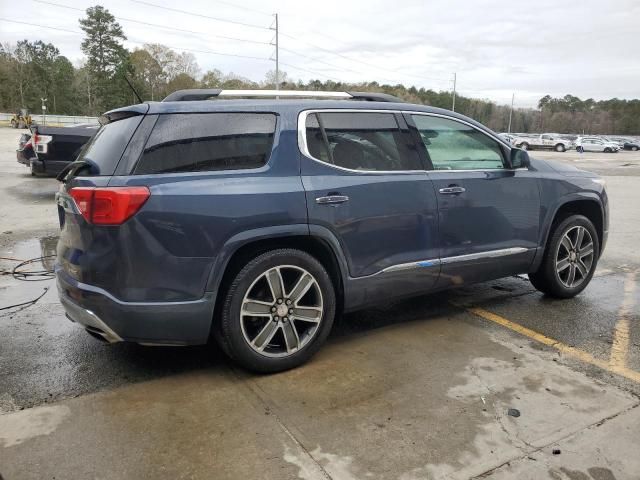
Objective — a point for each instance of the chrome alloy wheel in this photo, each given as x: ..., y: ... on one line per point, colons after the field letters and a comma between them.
x: 574, y: 258
x: 281, y: 311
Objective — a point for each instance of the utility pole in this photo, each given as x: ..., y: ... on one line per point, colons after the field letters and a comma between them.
x: 277, y: 60
x: 513, y: 96
x: 453, y: 106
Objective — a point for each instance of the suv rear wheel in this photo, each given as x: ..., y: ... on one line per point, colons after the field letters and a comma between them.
x: 560, y: 147
x: 278, y: 311
x: 570, y: 258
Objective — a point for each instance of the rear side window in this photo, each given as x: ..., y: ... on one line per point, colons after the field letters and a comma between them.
x: 106, y: 147
x: 196, y: 142
x: 360, y: 141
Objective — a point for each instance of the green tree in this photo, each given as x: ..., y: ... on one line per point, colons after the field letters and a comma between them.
x: 148, y: 76
x: 107, y: 59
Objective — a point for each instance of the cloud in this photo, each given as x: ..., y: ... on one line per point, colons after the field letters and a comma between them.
x: 496, y: 47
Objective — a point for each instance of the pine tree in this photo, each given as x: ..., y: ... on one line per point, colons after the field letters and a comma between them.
x: 107, y: 59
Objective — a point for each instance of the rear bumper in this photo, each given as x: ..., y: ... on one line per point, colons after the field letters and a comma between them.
x: 152, y: 323
x: 48, y: 167
x: 23, y: 157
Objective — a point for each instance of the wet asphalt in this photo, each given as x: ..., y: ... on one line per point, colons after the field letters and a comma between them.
x: 45, y: 359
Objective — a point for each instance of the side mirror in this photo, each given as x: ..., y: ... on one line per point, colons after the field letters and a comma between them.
x: 519, y: 158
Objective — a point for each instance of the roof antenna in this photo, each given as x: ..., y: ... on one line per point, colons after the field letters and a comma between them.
x: 132, y: 89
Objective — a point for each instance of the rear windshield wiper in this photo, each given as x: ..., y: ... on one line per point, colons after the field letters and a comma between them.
x: 70, y: 170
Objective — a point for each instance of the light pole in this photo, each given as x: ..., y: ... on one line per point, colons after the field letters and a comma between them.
x: 513, y: 96
x: 453, y: 104
x: 44, y: 111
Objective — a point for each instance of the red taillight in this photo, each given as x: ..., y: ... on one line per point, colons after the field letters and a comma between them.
x: 109, y: 205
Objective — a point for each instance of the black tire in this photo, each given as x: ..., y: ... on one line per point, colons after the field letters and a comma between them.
x: 546, y: 278
x: 634, y: 149
x: 560, y: 148
x: 33, y: 170
x: 230, y: 334
x: 607, y: 150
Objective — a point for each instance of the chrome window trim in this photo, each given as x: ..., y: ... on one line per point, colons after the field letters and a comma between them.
x: 303, y: 147
x: 400, y: 267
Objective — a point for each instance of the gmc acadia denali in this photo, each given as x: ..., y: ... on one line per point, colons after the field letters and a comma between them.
x: 255, y: 221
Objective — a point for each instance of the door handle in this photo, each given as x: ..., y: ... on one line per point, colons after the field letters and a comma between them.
x: 332, y: 199
x: 452, y: 190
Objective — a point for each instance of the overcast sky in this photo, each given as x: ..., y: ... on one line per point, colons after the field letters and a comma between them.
x: 584, y: 47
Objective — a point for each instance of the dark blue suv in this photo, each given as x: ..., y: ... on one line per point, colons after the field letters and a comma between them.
x: 256, y: 221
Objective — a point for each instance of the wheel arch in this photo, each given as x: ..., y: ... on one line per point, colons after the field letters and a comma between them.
x: 586, y: 204
x: 315, y: 240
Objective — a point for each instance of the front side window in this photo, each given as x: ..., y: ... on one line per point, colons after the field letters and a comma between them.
x: 196, y: 142
x: 360, y: 141
x: 453, y: 145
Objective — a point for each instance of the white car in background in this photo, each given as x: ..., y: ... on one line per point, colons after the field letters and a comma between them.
x: 617, y: 140
x: 596, y: 144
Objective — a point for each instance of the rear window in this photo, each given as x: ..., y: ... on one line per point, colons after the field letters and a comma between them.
x: 361, y: 141
x: 106, y: 147
x: 196, y: 142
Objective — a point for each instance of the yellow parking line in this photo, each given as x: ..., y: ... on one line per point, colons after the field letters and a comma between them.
x: 566, y: 349
x: 620, y: 345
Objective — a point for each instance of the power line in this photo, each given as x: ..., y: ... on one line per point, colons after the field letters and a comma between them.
x: 317, y: 60
x: 211, y: 52
x: 242, y: 7
x: 306, y: 70
x: 156, y: 25
x: 217, y: 19
x: 41, y: 26
x: 422, y: 77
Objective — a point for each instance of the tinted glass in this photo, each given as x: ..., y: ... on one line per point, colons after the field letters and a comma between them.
x: 456, y: 146
x: 106, y: 146
x: 208, y: 141
x: 361, y: 141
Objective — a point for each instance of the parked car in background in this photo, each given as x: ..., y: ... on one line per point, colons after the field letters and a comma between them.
x: 55, y: 147
x: 596, y: 144
x: 633, y: 145
x: 507, y: 137
x: 546, y: 141
x: 255, y: 221
x: 24, y: 152
x: 617, y: 140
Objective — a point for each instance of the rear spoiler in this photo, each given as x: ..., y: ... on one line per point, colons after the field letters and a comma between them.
x: 124, y: 112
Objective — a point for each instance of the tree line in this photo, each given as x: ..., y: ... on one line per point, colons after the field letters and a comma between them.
x: 33, y: 70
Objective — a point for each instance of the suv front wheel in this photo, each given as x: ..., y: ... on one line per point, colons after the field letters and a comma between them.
x: 570, y: 258
x: 278, y: 311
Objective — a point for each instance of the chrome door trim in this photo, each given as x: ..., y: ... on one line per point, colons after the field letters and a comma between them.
x: 410, y: 266
x: 303, y: 147
x: 503, y: 252
x: 400, y: 267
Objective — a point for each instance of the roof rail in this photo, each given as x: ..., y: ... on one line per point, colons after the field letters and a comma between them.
x: 207, y: 93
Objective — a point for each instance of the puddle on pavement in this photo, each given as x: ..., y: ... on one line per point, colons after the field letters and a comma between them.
x: 44, y: 247
x: 35, y: 190
x: 38, y: 274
